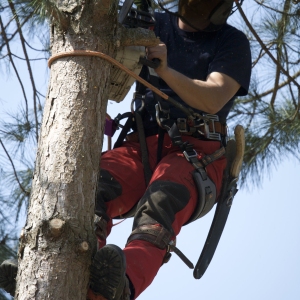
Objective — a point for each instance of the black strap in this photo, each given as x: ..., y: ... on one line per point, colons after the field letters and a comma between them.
x: 154, y: 80
x: 139, y: 87
x: 128, y: 125
x: 144, y: 148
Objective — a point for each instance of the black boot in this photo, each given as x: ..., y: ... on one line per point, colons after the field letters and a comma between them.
x: 108, y: 277
x: 8, y: 274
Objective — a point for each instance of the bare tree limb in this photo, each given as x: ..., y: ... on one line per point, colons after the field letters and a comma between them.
x: 22, y: 39
x: 14, y: 34
x: 31, y: 59
x: 263, y: 45
x: 281, y: 85
x: 269, y: 54
x: 13, y: 166
x: 260, y: 3
x: 13, y: 65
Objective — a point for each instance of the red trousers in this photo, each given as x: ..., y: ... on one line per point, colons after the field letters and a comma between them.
x: 125, y: 165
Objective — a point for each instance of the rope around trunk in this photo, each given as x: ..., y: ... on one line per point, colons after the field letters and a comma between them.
x: 111, y: 60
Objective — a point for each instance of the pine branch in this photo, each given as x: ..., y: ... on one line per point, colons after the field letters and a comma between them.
x: 30, y: 59
x: 13, y: 64
x: 281, y: 85
x: 48, y: 9
x: 272, y: 134
x: 276, y: 82
x: 296, y: 112
x: 289, y: 85
x: 14, y: 169
x: 282, y: 25
x: 38, y: 50
x: 22, y: 39
x: 282, y: 12
x: 264, y: 47
x: 16, y: 32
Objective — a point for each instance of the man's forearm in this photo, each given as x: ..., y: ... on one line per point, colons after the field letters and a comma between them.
x: 209, y: 96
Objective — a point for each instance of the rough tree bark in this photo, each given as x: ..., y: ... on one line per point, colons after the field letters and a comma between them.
x: 58, y: 241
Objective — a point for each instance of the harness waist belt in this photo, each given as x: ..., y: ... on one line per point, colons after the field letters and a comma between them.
x: 209, y: 128
x: 218, y: 128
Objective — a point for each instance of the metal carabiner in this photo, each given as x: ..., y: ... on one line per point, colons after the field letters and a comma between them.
x: 142, y: 98
x: 159, y: 119
x: 157, y: 110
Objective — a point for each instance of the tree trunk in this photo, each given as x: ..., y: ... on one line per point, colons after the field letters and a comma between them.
x: 58, y: 240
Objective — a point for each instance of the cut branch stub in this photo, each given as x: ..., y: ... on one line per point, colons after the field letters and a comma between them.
x: 56, y: 227
x: 83, y: 247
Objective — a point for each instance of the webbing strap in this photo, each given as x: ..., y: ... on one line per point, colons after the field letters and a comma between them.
x: 140, y: 89
x: 125, y: 129
x: 144, y: 148
x: 154, y: 80
x: 188, y: 150
x: 209, y: 158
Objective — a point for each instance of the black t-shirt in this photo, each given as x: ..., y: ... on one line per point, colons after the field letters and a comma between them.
x: 197, y: 54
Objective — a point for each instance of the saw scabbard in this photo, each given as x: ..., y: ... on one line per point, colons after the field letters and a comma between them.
x: 234, y: 155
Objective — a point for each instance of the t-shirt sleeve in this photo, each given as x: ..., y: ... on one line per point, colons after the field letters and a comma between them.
x: 233, y: 58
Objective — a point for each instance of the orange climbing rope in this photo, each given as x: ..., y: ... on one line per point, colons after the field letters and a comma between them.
x: 111, y: 60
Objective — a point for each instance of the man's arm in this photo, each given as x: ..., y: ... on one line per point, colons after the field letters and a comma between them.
x: 209, y: 96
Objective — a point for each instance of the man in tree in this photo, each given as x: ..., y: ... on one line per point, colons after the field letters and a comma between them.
x: 204, y: 64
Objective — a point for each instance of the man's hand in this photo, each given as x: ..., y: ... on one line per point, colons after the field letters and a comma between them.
x: 160, y: 52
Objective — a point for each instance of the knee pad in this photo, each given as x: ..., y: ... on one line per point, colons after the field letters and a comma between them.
x: 161, y: 202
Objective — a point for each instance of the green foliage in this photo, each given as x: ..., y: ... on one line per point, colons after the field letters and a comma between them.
x: 271, y: 136
x: 270, y: 113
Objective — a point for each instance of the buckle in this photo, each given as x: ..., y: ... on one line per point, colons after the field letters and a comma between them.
x: 163, y: 110
x: 212, y: 135
x: 188, y: 156
x: 181, y: 125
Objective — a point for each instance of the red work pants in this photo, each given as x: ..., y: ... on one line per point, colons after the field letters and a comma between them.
x: 125, y: 165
